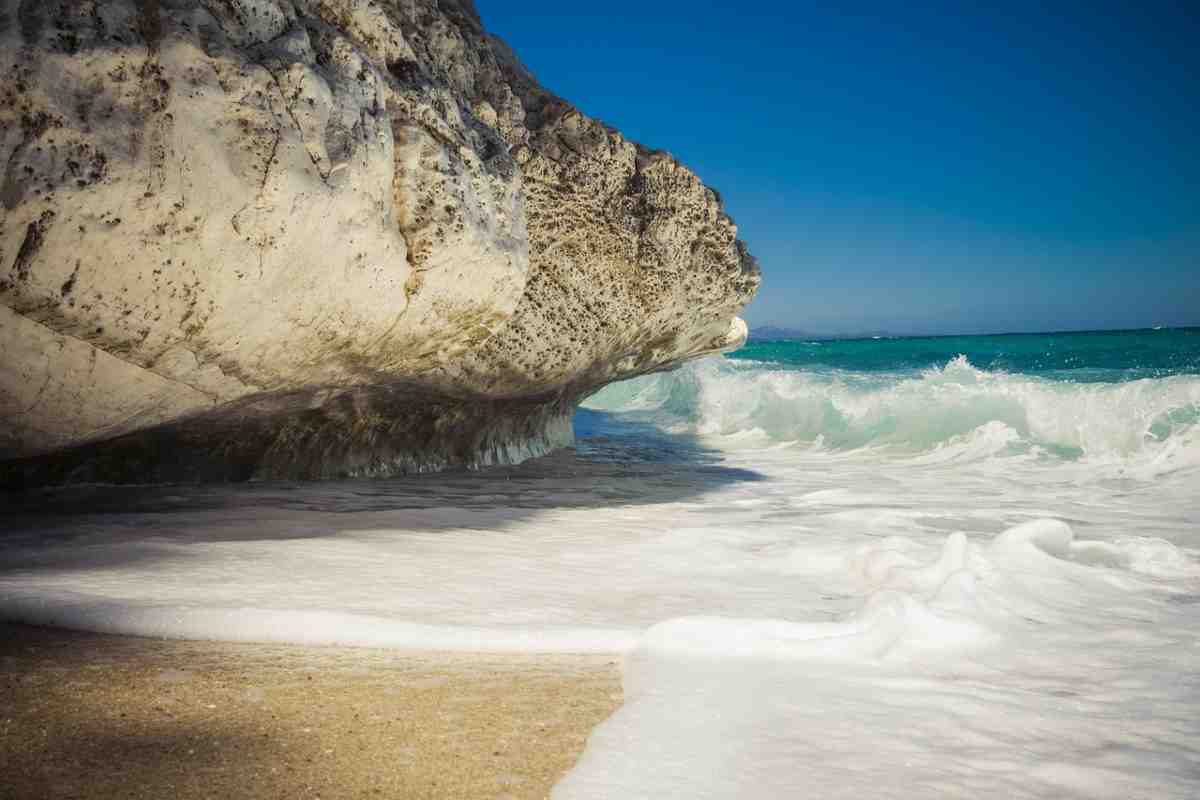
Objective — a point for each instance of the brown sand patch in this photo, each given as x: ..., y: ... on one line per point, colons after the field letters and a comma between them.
x: 91, y: 716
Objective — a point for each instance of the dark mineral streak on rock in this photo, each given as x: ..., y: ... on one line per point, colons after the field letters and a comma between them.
x: 35, y: 234
x: 322, y: 237
x: 149, y: 23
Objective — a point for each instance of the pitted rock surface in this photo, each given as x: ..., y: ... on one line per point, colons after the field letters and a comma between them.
x: 257, y: 238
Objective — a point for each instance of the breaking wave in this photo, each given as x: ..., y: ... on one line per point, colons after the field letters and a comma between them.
x: 955, y: 410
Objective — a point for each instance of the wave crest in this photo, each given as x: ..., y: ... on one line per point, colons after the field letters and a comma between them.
x: 953, y: 411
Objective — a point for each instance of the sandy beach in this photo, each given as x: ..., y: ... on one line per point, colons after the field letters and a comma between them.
x: 86, y: 715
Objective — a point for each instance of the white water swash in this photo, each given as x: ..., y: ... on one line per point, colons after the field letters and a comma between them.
x: 953, y: 583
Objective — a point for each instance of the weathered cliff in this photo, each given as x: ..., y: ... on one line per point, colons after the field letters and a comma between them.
x: 256, y: 238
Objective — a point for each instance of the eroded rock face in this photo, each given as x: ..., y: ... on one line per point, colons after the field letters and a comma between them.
x: 256, y: 238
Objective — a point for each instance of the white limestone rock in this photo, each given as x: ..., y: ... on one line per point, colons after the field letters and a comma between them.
x: 321, y: 237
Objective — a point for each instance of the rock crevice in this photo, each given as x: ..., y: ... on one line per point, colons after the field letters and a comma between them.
x: 339, y: 233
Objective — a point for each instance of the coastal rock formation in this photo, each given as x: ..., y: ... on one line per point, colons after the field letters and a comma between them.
x: 306, y: 238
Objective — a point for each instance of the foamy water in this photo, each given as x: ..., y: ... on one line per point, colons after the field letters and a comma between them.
x: 941, y: 582
x: 1148, y: 425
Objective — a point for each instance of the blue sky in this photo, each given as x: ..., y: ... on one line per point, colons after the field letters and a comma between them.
x: 916, y: 169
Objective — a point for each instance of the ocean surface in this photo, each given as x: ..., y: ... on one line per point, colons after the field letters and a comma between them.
x: 951, y: 567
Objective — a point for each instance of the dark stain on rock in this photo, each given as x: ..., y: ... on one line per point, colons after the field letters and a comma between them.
x: 12, y: 191
x: 408, y: 73
x: 29, y: 17
x: 69, y: 285
x: 33, y: 125
x: 69, y: 42
x: 150, y: 23
x: 35, y: 234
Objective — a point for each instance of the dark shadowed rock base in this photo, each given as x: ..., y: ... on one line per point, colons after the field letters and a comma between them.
x: 305, y: 435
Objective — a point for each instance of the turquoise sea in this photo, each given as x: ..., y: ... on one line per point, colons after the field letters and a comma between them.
x: 1085, y: 356
x: 1124, y: 399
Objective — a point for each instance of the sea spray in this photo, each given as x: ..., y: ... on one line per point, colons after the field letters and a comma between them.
x: 906, y: 413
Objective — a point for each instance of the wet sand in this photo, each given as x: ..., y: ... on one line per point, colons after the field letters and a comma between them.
x: 93, y: 716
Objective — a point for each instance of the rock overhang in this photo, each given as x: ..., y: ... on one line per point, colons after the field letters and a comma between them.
x: 215, y: 208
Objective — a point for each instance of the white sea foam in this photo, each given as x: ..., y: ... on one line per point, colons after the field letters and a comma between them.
x: 1150, y: 423
x: 1011, y: 668
x: 957, y: 583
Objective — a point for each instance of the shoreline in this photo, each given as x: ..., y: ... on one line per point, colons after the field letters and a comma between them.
x: 99, y: 715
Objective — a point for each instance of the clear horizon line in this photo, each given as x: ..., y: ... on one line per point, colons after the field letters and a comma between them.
x: 884, y: 332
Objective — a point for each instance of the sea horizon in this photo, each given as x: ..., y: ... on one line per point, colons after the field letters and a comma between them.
x: 753, y: 336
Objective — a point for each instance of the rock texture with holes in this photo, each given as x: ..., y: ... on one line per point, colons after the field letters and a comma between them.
x: 258, y: 238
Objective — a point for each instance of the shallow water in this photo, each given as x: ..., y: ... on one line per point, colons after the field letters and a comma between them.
x: 924, y: 580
